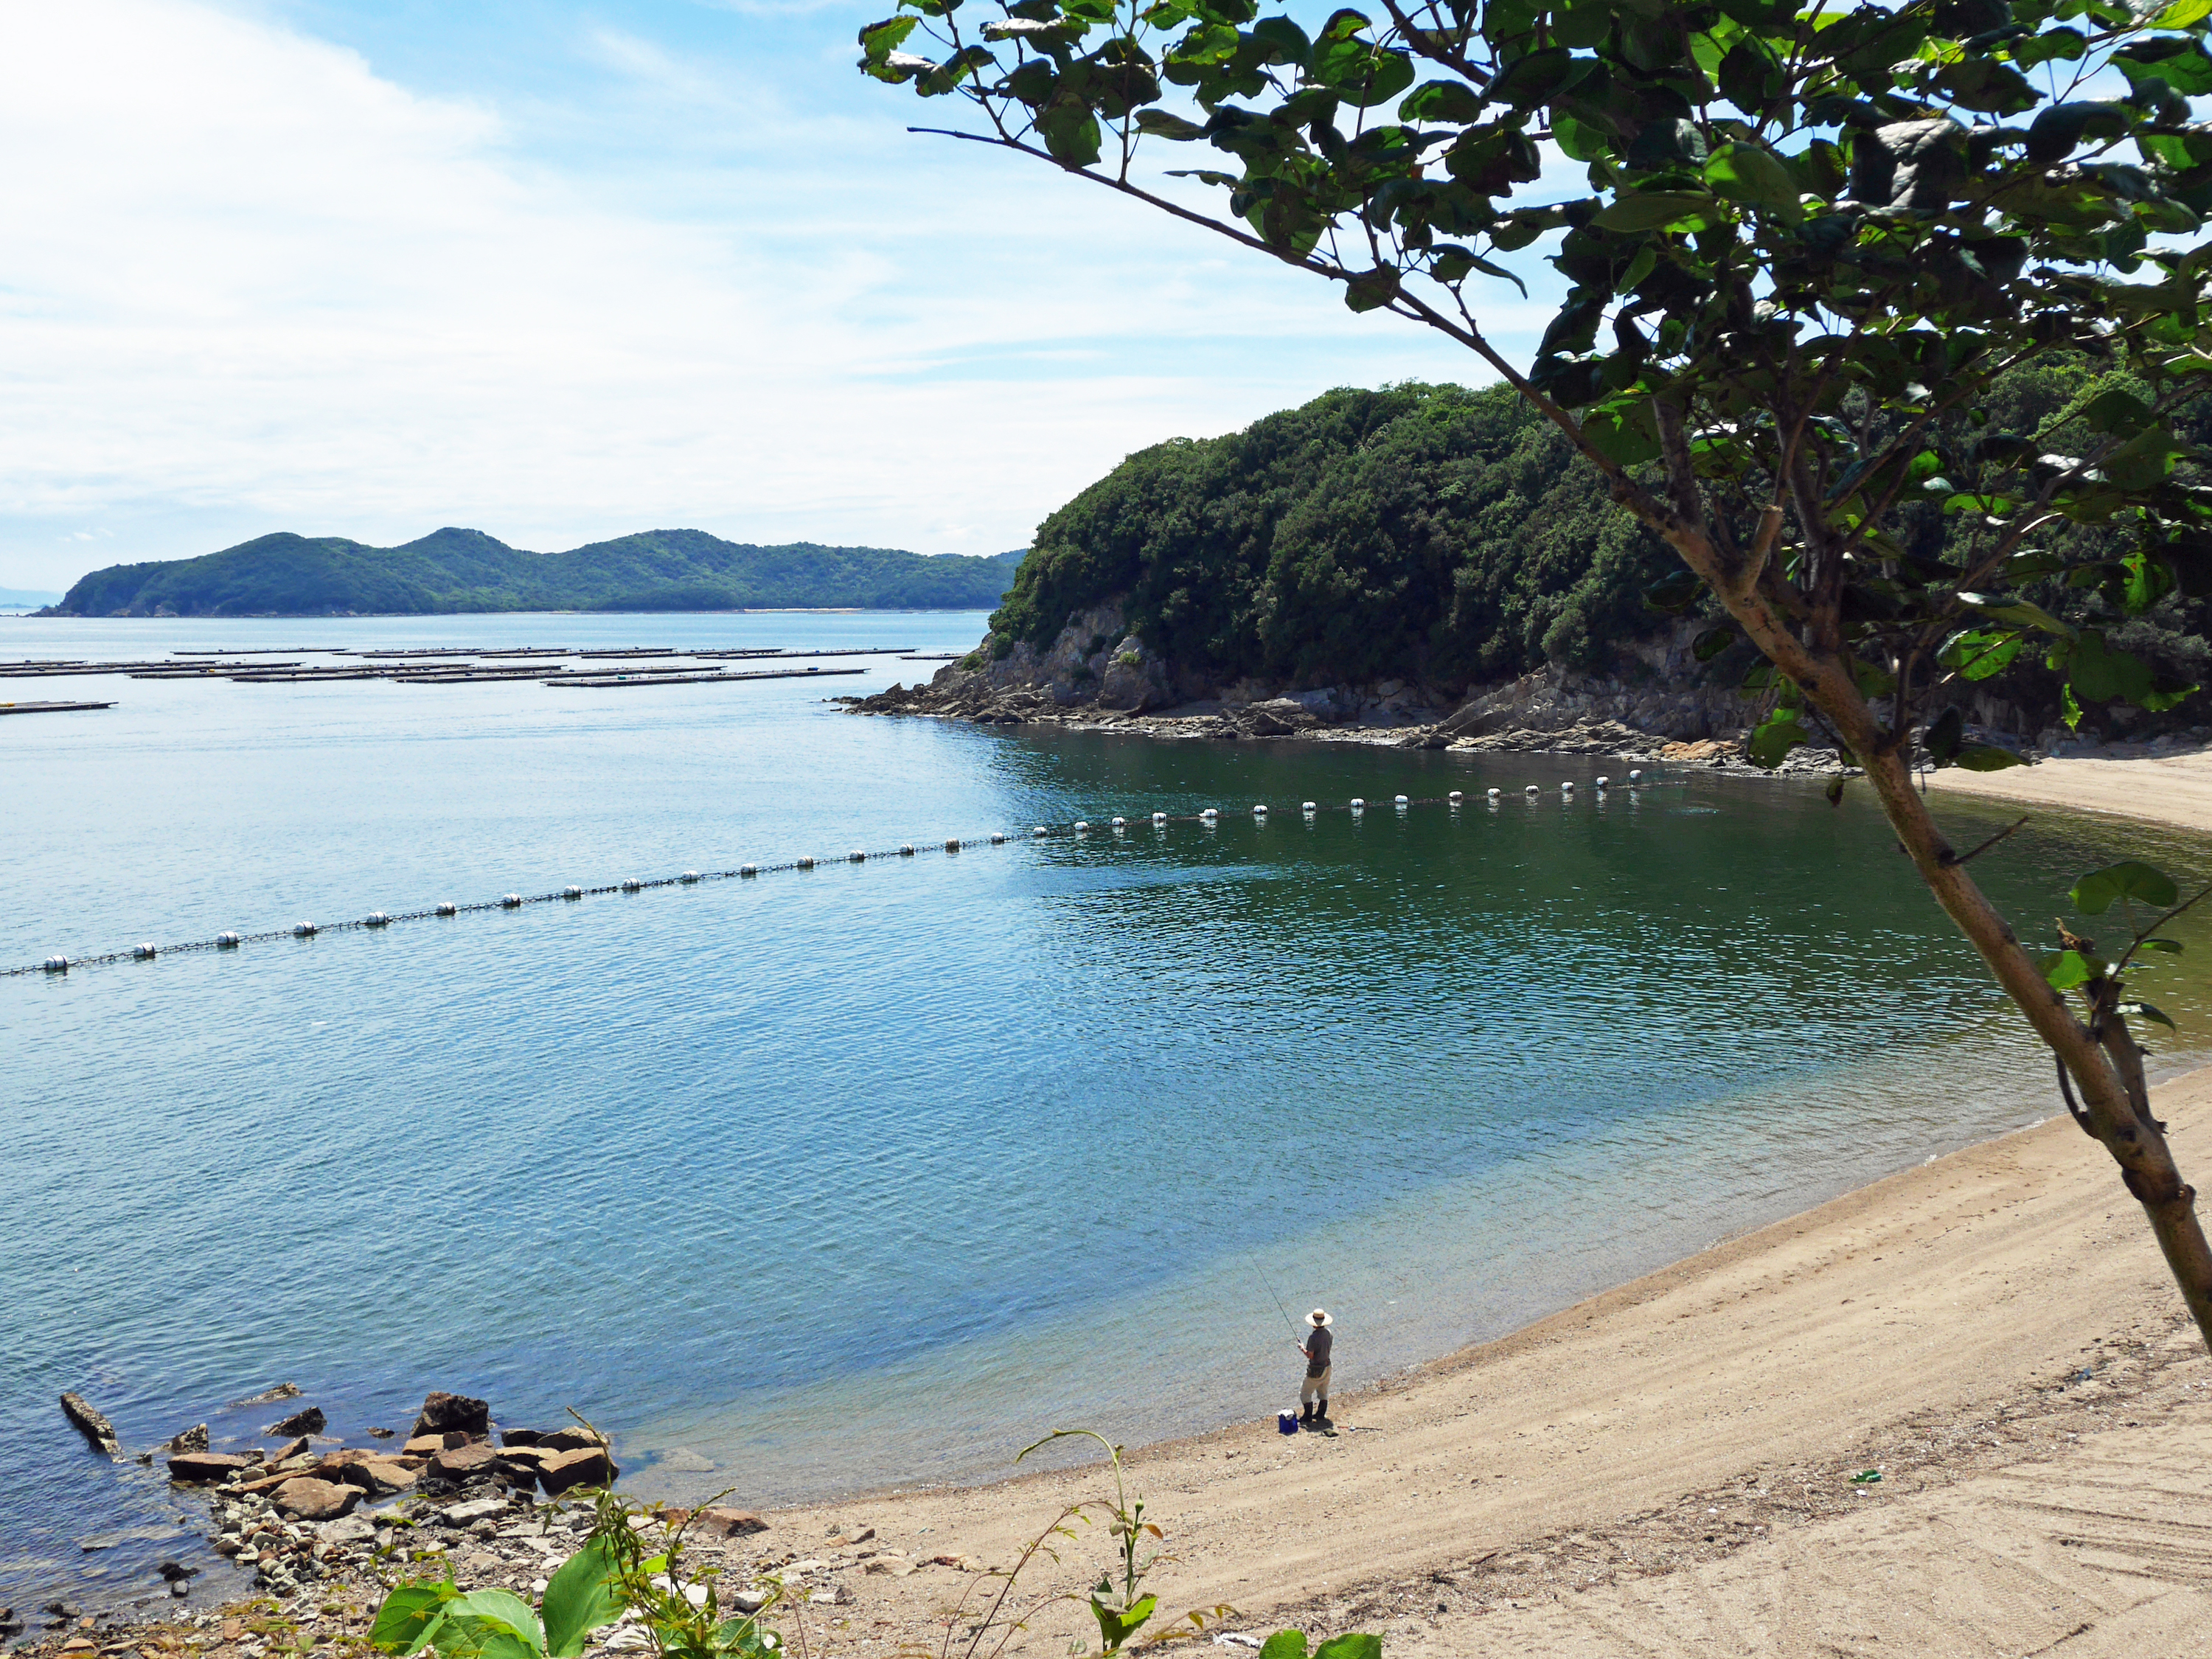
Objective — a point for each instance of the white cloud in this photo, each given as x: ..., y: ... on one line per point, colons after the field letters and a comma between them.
x: 249, y: 284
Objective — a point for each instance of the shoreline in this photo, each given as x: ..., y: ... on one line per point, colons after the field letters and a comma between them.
x: 1681, y: 1448
x: 2175, y: 790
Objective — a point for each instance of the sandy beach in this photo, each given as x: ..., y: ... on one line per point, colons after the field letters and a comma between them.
x: 2172, y: 789
x: 1668, y: 1467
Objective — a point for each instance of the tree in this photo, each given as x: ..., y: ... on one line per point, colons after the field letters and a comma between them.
x: 1807, y: 245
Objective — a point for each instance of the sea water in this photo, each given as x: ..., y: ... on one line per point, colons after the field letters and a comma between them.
x: 864, y: 1177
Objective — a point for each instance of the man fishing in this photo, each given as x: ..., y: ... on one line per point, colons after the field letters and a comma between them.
x: 1313, y: 1395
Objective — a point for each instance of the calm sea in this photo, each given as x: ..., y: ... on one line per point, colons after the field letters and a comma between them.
x: 862, y: 1176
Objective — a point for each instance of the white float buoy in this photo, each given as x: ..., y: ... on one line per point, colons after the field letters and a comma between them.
x: 1159, y: 817
x: 1603, y: 782
x: 749, y: 869
x: 1493, y: 793
x: 376, y: 918
x: 952, y: 843
x: 1402, y: 801
x: 997, y: 835
x: 58, y: 964
x: 1040, y: 830
x: 856, y: 856
x: 226, y: 941
x: 1455, y: 796
x: 806, y: 863
x: 1259, y: 809
x: 572, y: 891
x: 512, y: 901
x: 632, y: 885
x: 1567, y: 787
x: 1636, y: 777
x: 1533, y: 789
x: 906, y: 849
x: 144, y: 952
x: 1358, y: 805
x: 1208, y: 813
x: 690, y: 876
x: 304, y: 930
x: 1082, y: 826
x: 1309, y: 807
x: 1120, y: 823
x: 447, y: 907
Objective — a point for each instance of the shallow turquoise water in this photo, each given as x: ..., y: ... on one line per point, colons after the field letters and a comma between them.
x: 864, y: 1176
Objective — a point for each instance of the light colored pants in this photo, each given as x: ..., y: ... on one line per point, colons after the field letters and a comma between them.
x: 1316, y: 1387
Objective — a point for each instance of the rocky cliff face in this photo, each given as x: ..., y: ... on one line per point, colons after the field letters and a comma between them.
x: 1655, y: 704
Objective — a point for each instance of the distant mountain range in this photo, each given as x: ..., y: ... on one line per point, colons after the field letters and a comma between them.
x: 25, y: 598
x: 457, y: 570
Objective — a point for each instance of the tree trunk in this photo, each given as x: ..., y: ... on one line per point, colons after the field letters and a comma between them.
x: 2133, y: 1137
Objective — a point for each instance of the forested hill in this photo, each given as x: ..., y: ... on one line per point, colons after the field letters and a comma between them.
x: 456, y: 570
x: 1427, y: 532
x: 1450, y: 537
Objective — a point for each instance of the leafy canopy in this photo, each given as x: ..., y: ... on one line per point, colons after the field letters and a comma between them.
x: 1800, y: 246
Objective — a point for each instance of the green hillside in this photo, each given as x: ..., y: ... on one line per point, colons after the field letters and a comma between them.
x: 1451, y: 536
x: 465, y: 570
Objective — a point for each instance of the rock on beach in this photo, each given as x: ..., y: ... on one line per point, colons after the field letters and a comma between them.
x: 448, y: 1414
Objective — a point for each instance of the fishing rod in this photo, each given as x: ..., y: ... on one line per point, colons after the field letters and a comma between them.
x: 1280, y: 1308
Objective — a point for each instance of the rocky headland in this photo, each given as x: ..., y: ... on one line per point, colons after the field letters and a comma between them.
x: 1655, y: 705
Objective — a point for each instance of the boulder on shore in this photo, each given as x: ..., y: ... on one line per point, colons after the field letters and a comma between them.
x: 90, y: 1424
x: 203, y: 1469
x: 718, y: 1521
x: 589, y: 1466
x: 464, y: 1463
x: 306, y: 1498
x: 192, y: 1439
x: 444, y: 1414
x: 310, y: 1421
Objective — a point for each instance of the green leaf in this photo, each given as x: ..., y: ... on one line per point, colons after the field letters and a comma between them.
x: 2146, y: 1011
x: 1160, y: 124
x: 1747, y: 173
x: 2117, y: 410
x: 1624, y: 431
x: 1116, y: 1628
x: 2069, y: 710
x: 495, y: 1623
x: 1776, y: 735
x: 1987, y: 757
x: 1290, y: 41
x: 409, y: 1614
x: 1372, y: 289
x: 1284, y: 1644
x: 1657, y: 209
x: 2095, y: 893
x: 1442, y: 101
x: 1711, y: 643
x: 1674, y: 592
x: 1350, y: 1645
x: 2019, y: 613
x: 2166, y: 947
x: 2065, y: 970
x: 579, y: 1598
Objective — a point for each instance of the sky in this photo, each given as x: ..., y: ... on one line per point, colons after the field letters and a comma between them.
x: 561, y: 271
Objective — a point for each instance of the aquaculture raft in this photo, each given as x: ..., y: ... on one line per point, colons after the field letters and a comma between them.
x: 49, y: 707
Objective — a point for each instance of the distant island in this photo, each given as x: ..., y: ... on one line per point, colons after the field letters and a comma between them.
x: 465, y: 570
x: 25, y: 598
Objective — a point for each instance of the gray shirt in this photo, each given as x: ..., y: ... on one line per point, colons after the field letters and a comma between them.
x: 1317, y: 1343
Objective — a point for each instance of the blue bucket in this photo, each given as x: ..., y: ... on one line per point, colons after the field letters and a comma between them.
x: 1286, y: 1422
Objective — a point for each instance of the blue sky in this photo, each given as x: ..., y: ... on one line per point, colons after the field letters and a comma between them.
x: 560, y: 271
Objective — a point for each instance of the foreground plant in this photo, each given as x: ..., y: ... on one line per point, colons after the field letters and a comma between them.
x: 1801, y: 246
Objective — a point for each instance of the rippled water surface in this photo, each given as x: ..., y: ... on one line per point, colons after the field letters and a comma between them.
x: 861, y: 1176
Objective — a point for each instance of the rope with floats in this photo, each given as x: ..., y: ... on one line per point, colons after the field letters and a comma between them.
x: 376, y: 921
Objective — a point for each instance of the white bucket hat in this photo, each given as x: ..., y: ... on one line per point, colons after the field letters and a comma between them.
x: 1318, y: 1317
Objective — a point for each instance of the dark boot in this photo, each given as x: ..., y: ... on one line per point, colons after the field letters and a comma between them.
x: 1320, y: 1409
x: 1306, y: 1412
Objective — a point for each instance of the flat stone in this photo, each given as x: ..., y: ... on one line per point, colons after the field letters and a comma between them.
x: 588, y: 1466
x: 475, y: 1509
x: 719, y: 1521
x: 747, y: 1600
x: 570, y: 1440
x: 199, y: 1468
x: 425, y: 1445
x: 443, y: 1413
x: 309, y: 1499
x: 289, y: 1450
x: 464, y: 1463
x: 376, y: 1476
x: 347, y: 1529
x: 310, y: 1421
x: 90, y: 1424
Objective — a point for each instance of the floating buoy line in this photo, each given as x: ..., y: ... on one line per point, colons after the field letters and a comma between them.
x: 447, y: 909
